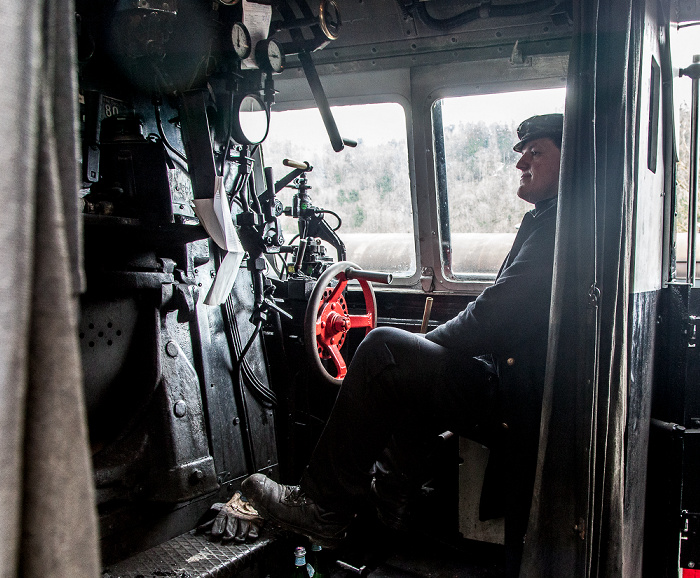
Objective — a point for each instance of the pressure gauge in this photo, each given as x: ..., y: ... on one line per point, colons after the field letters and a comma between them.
x: 240, y: 37
x: 269, y: 56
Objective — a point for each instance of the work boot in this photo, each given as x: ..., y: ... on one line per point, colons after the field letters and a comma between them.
x: 393, y: 492
x: 393, y: 504
x: 293, y: 510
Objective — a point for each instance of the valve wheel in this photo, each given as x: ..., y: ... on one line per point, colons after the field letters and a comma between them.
x: 327, y: 321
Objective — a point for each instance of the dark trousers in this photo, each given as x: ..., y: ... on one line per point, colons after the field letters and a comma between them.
x: 401, y: 390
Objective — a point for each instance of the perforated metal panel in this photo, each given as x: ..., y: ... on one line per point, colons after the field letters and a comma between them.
x: 189, y: 556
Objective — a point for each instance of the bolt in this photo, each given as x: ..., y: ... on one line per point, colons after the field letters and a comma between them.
x: 180, y: 409
x: 171, y: 349
x: 236, y: 420
x: 196, y: 476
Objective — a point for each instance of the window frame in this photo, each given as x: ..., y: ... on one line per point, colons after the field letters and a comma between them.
x: 374, y: 87
x: 430, y: 84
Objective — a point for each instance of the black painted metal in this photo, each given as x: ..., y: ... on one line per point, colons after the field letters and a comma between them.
x: 663, y: 503
x: 643, y: 335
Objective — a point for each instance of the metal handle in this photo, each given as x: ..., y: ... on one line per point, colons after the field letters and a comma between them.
x: 426, y: 314
x: 374, y: 276
x: 304, y: 165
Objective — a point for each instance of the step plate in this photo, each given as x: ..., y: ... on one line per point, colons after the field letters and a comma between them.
x: 190, y: 555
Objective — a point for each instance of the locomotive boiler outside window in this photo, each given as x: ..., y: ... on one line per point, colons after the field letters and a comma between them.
x: 477, y: 178
x: 366, y: 186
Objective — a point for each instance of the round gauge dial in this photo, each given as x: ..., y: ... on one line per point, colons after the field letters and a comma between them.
x: 269, y: 55
x: 240, y: 37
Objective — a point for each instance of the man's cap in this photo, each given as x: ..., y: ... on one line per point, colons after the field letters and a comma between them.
x: 539, y: 126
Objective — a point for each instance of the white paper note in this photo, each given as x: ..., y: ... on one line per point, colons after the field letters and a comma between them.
x: 215, y: 216
x: 256, y: 18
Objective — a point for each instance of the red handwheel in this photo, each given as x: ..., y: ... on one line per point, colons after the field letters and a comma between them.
x: 327, y: 321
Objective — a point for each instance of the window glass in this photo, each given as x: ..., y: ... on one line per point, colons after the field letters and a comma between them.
x: 366, y: 186
x: 684, y: 46
x: 477, y: 178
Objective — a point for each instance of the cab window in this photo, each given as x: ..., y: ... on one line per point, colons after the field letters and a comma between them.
x: 477, y: 179
x: 367, y: 187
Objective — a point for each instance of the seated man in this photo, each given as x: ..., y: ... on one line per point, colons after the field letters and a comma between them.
x: 402, y: 389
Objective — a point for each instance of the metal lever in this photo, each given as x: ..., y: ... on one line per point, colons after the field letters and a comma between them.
x: 361, y: 571
x: 303, y: 165
x: 272, y: 305
x: 426, y: 314
x: 321, y: 100
x: 374, y: 276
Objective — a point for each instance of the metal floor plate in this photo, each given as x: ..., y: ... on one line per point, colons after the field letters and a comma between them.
x: 189, y: 556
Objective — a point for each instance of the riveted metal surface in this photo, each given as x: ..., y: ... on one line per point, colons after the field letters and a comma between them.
x: 189, y: 555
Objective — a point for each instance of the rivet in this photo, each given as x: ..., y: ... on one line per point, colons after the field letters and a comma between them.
x: 180, y: 408
x: 236, y: 420
x: 196, y: 476
x: 171, y: 349
x: 510, y: 361
x: 504, y: 425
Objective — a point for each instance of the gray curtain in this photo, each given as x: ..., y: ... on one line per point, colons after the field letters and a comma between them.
x: 48, y: 522
x: 577, y: 525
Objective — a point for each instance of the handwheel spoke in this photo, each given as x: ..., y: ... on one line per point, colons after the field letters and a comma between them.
x: 337, y: 291
x: 366, y: 320
x: 338, y: 361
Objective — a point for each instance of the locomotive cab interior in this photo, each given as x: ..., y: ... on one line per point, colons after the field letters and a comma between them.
x: 242, y: 162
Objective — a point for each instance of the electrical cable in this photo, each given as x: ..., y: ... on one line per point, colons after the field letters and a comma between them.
x: 171, y: 148
x: 336, y: 215
x: 491, y: 11
x: 446, y: 24
x: 259, y: 390
x: 258, y: 326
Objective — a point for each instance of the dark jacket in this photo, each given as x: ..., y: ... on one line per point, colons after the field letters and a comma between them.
x: 509, y: 322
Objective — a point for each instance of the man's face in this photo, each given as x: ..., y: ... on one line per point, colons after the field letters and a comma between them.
x: 539, y: 164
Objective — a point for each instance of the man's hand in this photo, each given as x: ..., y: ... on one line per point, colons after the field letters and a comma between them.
x: 235, y: 520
